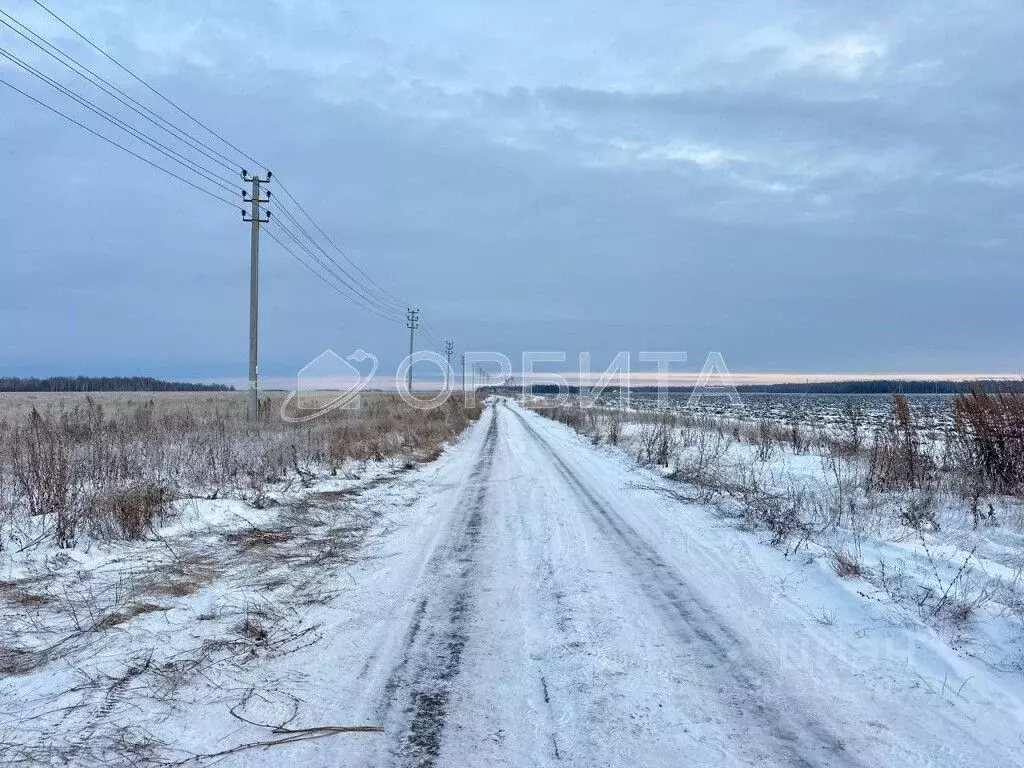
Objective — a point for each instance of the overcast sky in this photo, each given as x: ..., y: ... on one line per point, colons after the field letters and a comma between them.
x: 804, y: 187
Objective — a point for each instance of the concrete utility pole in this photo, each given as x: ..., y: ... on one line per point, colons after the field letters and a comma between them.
x: 449, y: 350
x: 412, y: 322
x: 254, y: 199
x: 463, y: 375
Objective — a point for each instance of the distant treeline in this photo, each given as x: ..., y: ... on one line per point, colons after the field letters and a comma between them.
x: 885, y: 387
x: 879, y: 387
x: 104, y: 384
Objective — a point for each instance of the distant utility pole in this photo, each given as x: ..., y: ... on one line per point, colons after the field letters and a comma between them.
x: 254, y: 200
x: 463, y: 375
x: 412, y: 322
x: 449, y: 350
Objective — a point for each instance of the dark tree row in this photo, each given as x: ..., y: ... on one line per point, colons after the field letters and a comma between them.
x: 876, y: 387
x: 103, y: 384
x: 886, y: 387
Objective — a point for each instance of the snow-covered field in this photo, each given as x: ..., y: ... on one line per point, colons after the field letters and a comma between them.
x: 918, y: 551
x: 529, y: 598
x: 818, y: 410
x: 107, y: 652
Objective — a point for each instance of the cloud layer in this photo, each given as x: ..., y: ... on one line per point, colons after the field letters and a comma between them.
x: 801, y: 187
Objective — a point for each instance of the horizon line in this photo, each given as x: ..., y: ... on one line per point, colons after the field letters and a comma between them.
x: 633, y: 378
x: 647, y: 378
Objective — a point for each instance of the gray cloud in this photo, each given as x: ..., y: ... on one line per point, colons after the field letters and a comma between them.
x: 802, y: 189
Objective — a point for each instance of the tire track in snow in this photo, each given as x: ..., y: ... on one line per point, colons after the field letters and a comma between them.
x: 546, y: 609
x: 691, y: 622
x: 547, y: 702
x: 437, y: 636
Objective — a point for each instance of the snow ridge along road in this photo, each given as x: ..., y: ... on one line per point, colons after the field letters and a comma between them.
x: 548, y: 604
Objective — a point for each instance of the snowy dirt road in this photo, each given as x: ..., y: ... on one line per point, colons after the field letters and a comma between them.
x: 551, y: 604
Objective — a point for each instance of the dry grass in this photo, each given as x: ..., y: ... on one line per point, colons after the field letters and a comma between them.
x: 184, y: 576
x: 105, y: 467
x: 979, y: 459
x: 137, y: 609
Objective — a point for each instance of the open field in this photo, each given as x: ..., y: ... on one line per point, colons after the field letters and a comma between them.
x: 815, y: 411
x: 100, y: 467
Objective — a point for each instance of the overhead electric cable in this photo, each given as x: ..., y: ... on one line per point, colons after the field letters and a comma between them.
x: 149, y: 87
x: 397, y: 301
x: 116, y: 93
x: 146, y: 139
x: 345, y: 275
x: 116, y: 144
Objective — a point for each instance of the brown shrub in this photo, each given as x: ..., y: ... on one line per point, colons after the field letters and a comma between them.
x: 571, y: 414
x: 846, y: 565
x: 988, y: 435
x: 132, y: 511
x: 897, y: 460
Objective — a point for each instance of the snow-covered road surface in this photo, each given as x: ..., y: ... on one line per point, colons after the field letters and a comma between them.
x: 548, y: 603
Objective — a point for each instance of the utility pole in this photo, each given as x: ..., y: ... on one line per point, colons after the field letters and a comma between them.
x: 254, y: 200
x: 412, y: 322
x: 463, y: 375
x: 449, y: 349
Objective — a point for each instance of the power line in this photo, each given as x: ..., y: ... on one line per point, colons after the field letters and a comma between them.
x: 449, y: 350
x: 148, y: 140
x: 149, y: 87
x: 398, y: 302
x: 380, y: 297
x: 385, y: 304
x: 376, y: 299
x: 299, y: 259
x: 428, y: 329
x: 338, y: 284
x: 352, y: 292
x: 345, y: 276
x: 330, y: 284
x: 431, y: 333
x: 116, y: 93
x: 116, y: 144
x: 434, y: 343
x: 256, y: 221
